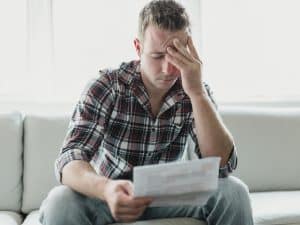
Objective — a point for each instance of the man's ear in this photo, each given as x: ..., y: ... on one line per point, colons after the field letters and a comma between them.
x: 138, y: 48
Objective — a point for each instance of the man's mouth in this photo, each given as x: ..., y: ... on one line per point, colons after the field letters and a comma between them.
x: 169, y: 78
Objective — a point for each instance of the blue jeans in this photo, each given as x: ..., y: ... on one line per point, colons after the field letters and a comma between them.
x: 229, y: 205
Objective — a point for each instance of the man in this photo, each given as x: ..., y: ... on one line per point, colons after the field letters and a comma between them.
x: 142, y: 113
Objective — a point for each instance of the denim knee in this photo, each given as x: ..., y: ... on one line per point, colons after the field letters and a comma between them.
x: 62, y: 207
x: 230, y: 204
x: 234, y: 190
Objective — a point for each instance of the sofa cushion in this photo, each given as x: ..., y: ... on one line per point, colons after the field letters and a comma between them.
x: 32, y: 219
x: 10, y: 218
x: 267, y: 141
x: 43, y: 137
x: 276, y: 207
x: 11, y: 161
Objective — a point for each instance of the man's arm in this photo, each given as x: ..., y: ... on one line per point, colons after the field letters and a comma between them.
x: 86, y: 132
x: 81, y: 176
x: 118, y: 194
x: 87, y: 125
x: 213, y: 137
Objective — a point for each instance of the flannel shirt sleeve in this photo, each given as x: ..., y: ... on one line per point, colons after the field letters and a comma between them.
x: 232, y: 161
x: 86, y: 128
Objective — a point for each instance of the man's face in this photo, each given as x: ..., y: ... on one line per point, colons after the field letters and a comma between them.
x: 157, y: 73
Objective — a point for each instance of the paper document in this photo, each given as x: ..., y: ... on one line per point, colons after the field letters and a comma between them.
x: 177, y: 183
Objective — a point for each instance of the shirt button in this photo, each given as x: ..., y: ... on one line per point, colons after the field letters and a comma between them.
x: 153, y: 129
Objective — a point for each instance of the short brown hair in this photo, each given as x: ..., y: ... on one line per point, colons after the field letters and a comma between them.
x: 165, y: 14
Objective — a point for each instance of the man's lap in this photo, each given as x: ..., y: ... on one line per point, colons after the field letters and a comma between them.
x: 96, y: 211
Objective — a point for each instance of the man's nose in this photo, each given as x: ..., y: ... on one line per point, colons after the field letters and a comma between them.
x: 170, y: 68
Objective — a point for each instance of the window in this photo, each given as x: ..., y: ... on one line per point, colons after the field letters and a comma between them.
x: 251, y: 49
x: 12, y: 49
x: 96, y: 34
x: 61, y: 45
x: 51, y: 49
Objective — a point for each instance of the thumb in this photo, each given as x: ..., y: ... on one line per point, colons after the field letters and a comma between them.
x: 127, y: 186
x: 192, y: 48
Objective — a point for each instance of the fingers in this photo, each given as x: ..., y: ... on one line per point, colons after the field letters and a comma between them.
x: 131, y: 210
x: 122, y: 203
x: 182, y: 50
x: 140, y: 202
x: 173, y: 58
x: 192, y: 48
x: 135, y: 202
x: 180, y: 56
x: 127, y: 187
x: 126, y: 197
x: 177, y: 56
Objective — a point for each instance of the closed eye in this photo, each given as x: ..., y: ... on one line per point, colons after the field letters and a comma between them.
x: 158, y: 56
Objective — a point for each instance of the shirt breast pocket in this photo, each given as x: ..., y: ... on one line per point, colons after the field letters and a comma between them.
x: 177, y: 122
x: 176, y: 127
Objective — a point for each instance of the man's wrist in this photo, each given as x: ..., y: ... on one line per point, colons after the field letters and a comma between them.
x: 199, y: 96
x: 200, y: 92
x: 102, y: 187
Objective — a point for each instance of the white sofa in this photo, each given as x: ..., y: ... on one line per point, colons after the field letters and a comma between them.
x: 268, y: 148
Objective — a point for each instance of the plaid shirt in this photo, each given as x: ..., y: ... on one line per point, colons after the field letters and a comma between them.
x: 112, y: 126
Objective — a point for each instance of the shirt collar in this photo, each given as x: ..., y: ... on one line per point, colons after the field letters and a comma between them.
x: 131, y: 74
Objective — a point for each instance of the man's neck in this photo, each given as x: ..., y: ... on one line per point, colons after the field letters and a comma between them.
x: 156, y: 96
x: 156, y: 100
x: 155, y: 106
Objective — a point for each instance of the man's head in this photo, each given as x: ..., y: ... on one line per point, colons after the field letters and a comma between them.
x: 160, y: 22
x: 164, y: 14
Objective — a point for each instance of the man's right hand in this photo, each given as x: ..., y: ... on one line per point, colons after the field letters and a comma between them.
x: 122, y: 204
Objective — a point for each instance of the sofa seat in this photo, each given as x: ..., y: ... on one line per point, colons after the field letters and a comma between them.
x: 10, y: 218
x: 276, y: 208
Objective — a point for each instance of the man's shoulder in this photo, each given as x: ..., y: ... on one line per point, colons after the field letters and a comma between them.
x: 122, y: 75
x: 112, y: 81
